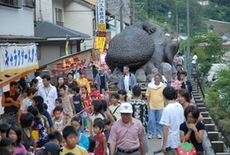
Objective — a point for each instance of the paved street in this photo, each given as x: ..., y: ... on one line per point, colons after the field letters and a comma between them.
x: 154, y: 144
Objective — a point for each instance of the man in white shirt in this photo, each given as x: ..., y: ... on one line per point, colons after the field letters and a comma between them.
x: 48, y: 93
x: 194, y: 61
x: 172, y: 117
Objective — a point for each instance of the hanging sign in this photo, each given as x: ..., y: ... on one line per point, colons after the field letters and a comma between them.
x: 101, y: 15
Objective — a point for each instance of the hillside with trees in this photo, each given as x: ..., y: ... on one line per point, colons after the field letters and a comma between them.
x: 157, y: 11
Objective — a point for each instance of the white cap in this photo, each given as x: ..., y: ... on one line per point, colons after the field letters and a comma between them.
x: 126, y: 108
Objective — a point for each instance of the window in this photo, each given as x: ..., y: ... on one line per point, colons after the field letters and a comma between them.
x: 62, y: 51
x: 11, y: 3
x: 28, y: 3
x: 38, y: 53
x: 59, y: 17
x: 94, y: 27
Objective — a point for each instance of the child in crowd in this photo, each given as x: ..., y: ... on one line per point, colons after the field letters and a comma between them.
x: 95, y: 92
x: 87, y: 100
x: 123, y: 96
x: 100, y: 138
x: 115, y: 107
x: 38, y: 127
x: 85, y: 96
x: 27, y: 121
x: 58, y: 102
x: 77, y: 100
x: 175, y: 83
x: 43, y: 117
x: 92, y: 144
x: 71, y: 138
x: 4, y: 127
x: 70, y: 89
x: 82, y: 81
x: 78, y: 104
x: 49, y: 148
x: 96, y: 113
x: 29, y: 93
x: 15, y: 134
x: 106, y: 112
x: 83, y: 139
x: 107, y: 129
x: 9, y: 144
x: 38, y: 101
x: 56, y: 137
x: 93, y: 97
x: 58, y: 119
x: 67, y: 104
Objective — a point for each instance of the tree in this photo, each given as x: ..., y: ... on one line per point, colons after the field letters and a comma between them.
x: 223, y: 87
x: 157, y: 10
x: 211, y: 51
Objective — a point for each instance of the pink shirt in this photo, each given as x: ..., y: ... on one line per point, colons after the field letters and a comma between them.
x: 20, y: 149
x: 126, y: 137
x: 176, y: 84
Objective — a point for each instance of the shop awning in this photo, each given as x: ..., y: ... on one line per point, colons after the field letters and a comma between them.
x: 12, y: 77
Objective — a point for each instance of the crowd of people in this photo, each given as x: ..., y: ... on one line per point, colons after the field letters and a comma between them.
x: 76, y: 118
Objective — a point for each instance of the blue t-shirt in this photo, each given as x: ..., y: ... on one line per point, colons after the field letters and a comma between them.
x: 83, y: 140
x: 199, y: 126
x: 77, y: 103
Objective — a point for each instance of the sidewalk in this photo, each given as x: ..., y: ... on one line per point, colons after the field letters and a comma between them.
x: 154, y: 144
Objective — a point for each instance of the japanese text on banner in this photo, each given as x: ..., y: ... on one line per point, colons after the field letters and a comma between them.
x: 100, y: 44
x: 16, y: 59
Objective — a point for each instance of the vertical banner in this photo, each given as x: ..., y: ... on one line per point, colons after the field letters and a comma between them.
x: 67, y: 45
x: 101, y: 44
x: 101, y: 15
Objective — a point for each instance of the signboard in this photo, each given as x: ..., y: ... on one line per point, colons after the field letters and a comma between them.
x: 17, y: 59
x: 101, y: 15
x: 100, y: 44
x: 73, y: 62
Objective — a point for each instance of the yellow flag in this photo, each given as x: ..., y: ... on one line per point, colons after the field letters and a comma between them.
x: 67, y: 47
x: 101, y: 44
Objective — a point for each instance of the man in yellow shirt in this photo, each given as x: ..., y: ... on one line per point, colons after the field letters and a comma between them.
x: 82, y: 81
x: 155, y: 101
x: 71, y: 138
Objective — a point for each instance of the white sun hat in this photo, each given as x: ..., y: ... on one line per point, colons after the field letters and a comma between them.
x: 126, y: 108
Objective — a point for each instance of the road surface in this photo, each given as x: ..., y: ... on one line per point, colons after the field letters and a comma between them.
x: 154, y: 144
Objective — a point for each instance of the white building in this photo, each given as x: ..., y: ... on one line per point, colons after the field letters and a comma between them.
x: 17, y: 26
x: 58, y: 19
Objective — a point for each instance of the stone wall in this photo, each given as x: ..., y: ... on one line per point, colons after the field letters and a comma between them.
x: 219, y: 27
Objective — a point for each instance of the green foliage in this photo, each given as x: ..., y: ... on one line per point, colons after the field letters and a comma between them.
x: 183, y: 46
x: 158, y: 10
x: 223, y: 87
x: 209, y: 50
x: 204, y: 68
x: 218, y: 10
x: 200, y: 53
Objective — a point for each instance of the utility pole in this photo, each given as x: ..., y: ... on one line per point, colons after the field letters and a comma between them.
x: 133, y: 12
x: 177, y: 30
x: 121, y: 15
x: 188, y: 44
